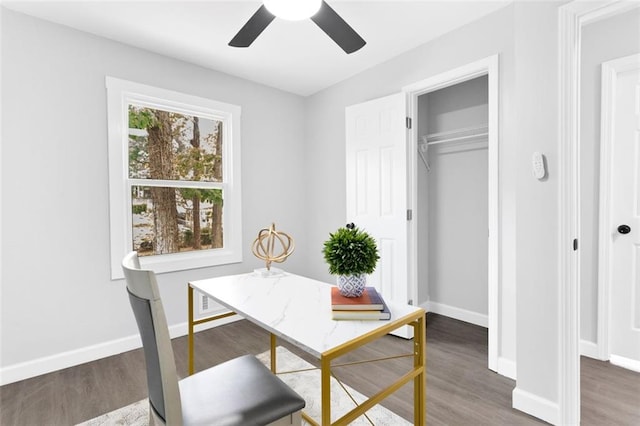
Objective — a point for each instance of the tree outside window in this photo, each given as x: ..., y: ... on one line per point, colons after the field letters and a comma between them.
x: 174, y: 178
x: 171, y: 146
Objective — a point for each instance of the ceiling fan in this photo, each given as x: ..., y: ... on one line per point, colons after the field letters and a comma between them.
x: 316, y: 10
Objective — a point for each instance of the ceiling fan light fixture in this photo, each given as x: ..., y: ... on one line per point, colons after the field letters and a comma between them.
x: 293, y: 10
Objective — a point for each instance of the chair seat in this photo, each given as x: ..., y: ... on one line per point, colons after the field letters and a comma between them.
x: 238, y: 392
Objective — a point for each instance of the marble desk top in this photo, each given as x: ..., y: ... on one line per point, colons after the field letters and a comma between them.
x: 295, y: 308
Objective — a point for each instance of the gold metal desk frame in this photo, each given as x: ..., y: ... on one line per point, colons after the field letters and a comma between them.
x: 417, y: 374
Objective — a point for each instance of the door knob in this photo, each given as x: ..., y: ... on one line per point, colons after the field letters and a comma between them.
x: 624, y: 229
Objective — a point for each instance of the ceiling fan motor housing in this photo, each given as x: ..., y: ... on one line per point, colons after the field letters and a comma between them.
x: 293, y: 10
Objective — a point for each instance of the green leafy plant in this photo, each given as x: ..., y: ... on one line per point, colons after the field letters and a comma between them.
x: 139, y: 208
x: 350, y: 251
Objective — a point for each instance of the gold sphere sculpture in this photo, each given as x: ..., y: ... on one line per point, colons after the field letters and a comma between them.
x: 263, y: 246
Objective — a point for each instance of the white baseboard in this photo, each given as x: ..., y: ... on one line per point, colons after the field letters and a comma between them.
x: 589, y: 349
x: 36, y: 367
x: 536, y: 406
x: 628, y: 363
x: 456, y: 313
x: 507, y: 367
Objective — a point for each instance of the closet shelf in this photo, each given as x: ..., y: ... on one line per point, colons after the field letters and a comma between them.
x: 459, y: 138
x: 457, y: 135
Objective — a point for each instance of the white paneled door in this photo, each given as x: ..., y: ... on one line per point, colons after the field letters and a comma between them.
x: 376, y: 175
x: 624, y: 213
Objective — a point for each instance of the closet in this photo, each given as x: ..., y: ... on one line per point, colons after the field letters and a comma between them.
x: 452, y: 248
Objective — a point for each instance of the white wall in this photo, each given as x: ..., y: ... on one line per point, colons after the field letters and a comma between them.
x: 458, y: 218
x: 326, y: 134
x: 57, y: 295
x: 602, y: 41
x: 537, y: 216
x: 464, y: 105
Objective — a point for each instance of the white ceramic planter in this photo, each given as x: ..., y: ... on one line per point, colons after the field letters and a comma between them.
x: 352, y: 285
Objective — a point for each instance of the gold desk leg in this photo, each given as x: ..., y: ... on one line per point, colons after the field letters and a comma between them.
x: 420, y: 382
x: 273, y: 353
x: 190, y: 339
x: 325, y: 389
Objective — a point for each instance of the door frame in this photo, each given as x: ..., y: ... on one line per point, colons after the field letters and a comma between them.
x: 571, y: 18
x: 488, y: 66
x: 610, y: 71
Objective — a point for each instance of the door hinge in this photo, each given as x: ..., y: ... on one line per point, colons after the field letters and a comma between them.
x: 410, y: 302
x: 409, y: 214
x: 408, y: 122
x: 575, y: 244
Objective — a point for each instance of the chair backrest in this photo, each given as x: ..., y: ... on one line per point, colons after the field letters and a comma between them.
x: 162, y: 379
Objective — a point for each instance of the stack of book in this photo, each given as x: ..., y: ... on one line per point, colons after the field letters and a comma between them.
x: 369, y: 306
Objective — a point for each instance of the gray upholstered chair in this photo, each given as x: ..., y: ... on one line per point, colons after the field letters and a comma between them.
x: 238, y: 392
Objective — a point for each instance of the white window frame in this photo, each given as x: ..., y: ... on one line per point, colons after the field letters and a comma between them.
x: 121, y: 93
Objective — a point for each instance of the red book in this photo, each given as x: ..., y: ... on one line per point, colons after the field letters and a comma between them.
x: 370, y: 300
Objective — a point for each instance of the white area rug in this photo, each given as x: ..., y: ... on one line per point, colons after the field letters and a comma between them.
x: 136, y: 414
x: 306, y: 383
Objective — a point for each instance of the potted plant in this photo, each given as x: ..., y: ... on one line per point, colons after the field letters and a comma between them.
x: 351, y: 254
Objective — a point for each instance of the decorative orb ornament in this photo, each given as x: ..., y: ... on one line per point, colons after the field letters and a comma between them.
x: 264, y: 246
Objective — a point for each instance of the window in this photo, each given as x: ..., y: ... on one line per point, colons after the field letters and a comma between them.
x: 174, y: 172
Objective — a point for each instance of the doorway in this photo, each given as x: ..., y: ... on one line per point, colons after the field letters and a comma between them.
x: 606, y: 184
x: 421, y: 142
x: 453, y: 201
x: 619, y: 223
x: 573, y: 17
x: 610, y: 330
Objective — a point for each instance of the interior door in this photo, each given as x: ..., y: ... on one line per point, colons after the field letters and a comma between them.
x: 376, y: 144
x: 625, y: 216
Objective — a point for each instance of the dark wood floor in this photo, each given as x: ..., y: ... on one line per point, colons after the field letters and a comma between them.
x: 460, y: 389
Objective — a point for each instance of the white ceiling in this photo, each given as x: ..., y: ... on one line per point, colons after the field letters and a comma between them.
x: 293, y: 56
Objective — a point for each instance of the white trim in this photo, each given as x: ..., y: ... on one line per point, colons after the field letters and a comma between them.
x: 536, y: 406
x: 507, y: 367
x: 452, y: 77
x: 25, y: 370
x: 571, y: 18
x: 488, y: 66
x: 590, y: 11
x: 568, y: 268
x: 456, y: 313
x: 412, y: 198
x: 119, y: 94
x: 589, y: 349
x: 628, y: 363
x: 610, y: 71
x: 604, y: 238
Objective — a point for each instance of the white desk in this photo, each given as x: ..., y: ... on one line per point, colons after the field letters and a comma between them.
x: 298, y: 309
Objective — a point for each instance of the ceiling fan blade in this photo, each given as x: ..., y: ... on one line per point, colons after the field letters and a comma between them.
x: 336, y: 28
x: 252, y: 29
